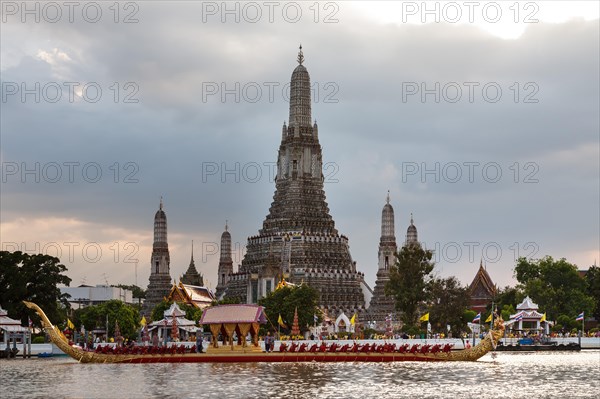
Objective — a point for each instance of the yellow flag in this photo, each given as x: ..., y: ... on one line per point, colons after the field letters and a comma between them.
x: 543, y: 317
x: 425, y: 317
x: 280, y: 321
x: 489, y: 318
x: 70, y: 324
x: 143, y: 322
x: 353, y: 319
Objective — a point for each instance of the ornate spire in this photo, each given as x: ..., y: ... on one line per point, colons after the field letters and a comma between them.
x: 226, y: 243
x: 300, y: 113
x: 160, y: 278
x: 192, y: 260
x: 225, y: 269
x: 381, y: 305
x: 411, y: 233
x: 191, y: 276
x: 300, y: 58
x: 160, y: 225
x: 387, y: 221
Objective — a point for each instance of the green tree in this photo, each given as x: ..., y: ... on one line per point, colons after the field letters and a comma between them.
x: 508, y: 296
x: 566, y: 323
x: 555, y: 285
x: 468, y: 316
x: 92, y: 317
x: 505, y: 301
x: 137, y: 292
x: 506, y: 310
x: 32, y: 278
x: 593, y: 288
x: 128, y: 317
x: 448, y: 302
x: 409, y: 278
x: 284, y: 301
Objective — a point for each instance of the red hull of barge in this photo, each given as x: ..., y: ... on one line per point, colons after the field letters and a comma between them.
x: 280, y: 358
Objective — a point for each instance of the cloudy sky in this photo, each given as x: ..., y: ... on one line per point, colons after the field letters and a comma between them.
x: 482, y: 121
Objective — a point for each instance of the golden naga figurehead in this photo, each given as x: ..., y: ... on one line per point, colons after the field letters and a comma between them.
x: 498, y: 330
x: 499, y: 323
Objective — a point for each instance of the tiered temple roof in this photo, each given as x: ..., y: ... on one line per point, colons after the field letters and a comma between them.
x: 198, y: 296
x: 174, y: 312
x: 482, y: 290
x: 527, y: 310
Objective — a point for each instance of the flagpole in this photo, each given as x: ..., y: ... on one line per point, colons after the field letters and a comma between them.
x: 30, y: 331
x: 475, y: 334
x: 583, y: 323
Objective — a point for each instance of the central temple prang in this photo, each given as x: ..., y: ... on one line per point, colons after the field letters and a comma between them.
x: 298, y: 240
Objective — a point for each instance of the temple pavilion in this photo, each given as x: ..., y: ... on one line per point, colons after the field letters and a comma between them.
x: 234, y: 320
x: 174, y: 318
x: 527, y: 315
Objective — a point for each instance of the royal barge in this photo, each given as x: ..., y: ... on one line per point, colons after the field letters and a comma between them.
x: 245, y: 319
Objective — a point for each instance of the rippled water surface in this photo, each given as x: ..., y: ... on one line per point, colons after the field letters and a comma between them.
x: 505, y: 375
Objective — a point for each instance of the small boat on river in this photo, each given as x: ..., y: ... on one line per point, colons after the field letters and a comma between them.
x: 225, y: 320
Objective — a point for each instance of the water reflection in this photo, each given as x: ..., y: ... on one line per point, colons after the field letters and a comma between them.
x: 514, y: 375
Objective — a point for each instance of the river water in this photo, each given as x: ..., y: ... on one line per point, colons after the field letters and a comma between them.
x: 499, y: 375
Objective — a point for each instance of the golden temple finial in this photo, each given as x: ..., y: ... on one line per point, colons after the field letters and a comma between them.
x: 300, y: 56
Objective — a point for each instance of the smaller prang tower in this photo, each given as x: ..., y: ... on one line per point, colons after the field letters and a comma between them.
x: 225, y: 263
x: 382, y: 306
x: 412, y: 237
x: 191, y: 276
x: 160, y: 279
